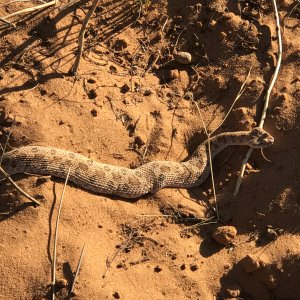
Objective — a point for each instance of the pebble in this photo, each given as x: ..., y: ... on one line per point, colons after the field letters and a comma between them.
x: 157, y: 269
x: 148, y: 92
x: 125, y: 88
x: 233, y: 290
x: 173, y: 74
x: 92, y: 94
x: 182, y: 57
x: 224, y: 234
x: 194, y: 267
x: 94, y: 112
x: 120, y: 44
x: 61, y: 283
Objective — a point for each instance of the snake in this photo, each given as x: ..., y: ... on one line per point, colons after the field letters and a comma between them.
x: 124, y: 182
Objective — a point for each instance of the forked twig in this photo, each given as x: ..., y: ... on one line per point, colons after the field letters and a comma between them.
x: 7, y: 176
x: 266, y: 98
x: 56, y: 235
x: 81, y: 36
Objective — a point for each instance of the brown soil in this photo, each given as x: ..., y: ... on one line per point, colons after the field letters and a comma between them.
x: 130, y: 103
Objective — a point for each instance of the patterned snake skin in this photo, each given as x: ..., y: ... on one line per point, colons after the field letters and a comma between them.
x: 128, y: 183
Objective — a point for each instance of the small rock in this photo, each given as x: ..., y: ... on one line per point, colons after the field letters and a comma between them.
x: 157, y: 269
x: 61, y: 283
x: 173, y: 74
x: 91, y: 80
x: 233, y: 289
x: 224, y: 234
x: 92, y: 94
x: 94, y: 112
x: 194, y: 267
x: 148, y: 92
x: 250, y: 263
x: 125, y: 88
x: 10, y: 119
x: 271, y: 234
x: 43, y: 92
x: 120, y: 44
x: 182, y: 57
x: 116, y: 295
x: 156, y: 39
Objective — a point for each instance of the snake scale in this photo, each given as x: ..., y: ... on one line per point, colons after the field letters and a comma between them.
x: 124, y: 182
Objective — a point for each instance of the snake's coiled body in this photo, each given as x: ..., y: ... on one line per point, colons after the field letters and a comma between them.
x: 124, y: 182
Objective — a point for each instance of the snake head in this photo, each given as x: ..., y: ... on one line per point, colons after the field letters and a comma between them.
x: 259, y: 138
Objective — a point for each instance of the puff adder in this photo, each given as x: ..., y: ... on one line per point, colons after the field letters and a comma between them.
x: 124, y: 182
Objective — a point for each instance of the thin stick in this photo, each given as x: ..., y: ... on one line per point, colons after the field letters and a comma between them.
x: 7, y: 176
x: 266, y: 98
x: 29, y: 9
x: 81, y: 36
x: 56, y: 235
x: 289, y: 14
x: 7, y: 22
x: 6, y: 142
x: 240, y: 93
x: 77, y: 270
x: 210, y: 160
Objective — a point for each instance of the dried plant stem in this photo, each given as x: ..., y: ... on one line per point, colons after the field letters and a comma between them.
x: 77, y: 270
x: 266, y: 98
x: 56, y: 235
x: 7, y: 176
x: 210, y: 160
x: 81, y: 36
x: 18, y: 188
x: 29, y: 9
x: 241, y: 91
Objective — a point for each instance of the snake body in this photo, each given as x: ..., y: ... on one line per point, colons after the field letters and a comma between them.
x: 124, y: 182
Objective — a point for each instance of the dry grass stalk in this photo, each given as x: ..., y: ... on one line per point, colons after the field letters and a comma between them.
x: 77, y: 270
x: 29, y: 9
x: 56, y: 236
x: 208, y: 134
x: 7, y: 176
x: 266, y: 98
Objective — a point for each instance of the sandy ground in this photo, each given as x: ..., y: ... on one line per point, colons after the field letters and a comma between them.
x: 130, y: 103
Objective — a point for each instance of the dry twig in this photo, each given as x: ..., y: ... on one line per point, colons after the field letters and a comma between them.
x: 81, y: 36
x: 56, y: 235
x: 29, y: 9
x: 266, y: 98
x: 77, y: 270
x: 7, y: 176
x: 208, y: 134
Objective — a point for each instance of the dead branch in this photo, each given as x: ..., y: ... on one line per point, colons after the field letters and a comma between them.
x: 81, y: 36
x: 266, y: 98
